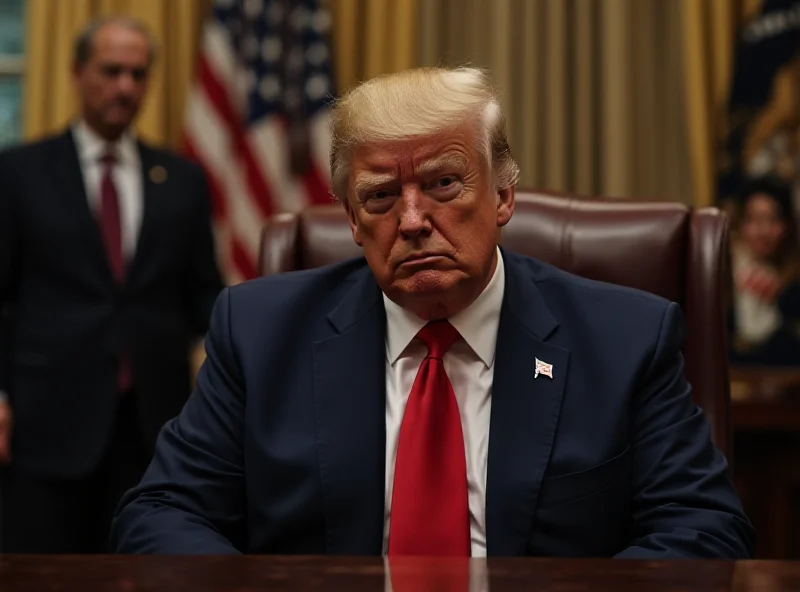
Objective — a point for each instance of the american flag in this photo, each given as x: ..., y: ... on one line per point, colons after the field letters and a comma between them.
x: 543, y: 368
x: 257, y: 118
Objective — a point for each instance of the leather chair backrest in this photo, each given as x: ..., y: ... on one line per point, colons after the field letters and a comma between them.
x: 665, y: 248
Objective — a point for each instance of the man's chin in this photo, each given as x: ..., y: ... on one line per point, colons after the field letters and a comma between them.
x: 121, y: 119
x: 423, y: 289
x: 427, y: 282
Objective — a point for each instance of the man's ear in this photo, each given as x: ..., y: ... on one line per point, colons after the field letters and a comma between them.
x: 351, y: 218
x: 505, y: 205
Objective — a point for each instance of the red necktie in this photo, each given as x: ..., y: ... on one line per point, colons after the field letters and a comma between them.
x: 110, y: 218
x: 111, y: 228
x: 430, y: 509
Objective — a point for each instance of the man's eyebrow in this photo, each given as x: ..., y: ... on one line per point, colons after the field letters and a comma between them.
x: 444, y: 161
x: 367, y: 180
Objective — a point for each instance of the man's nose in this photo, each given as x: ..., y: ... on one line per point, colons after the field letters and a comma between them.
x: 414, y: 215
x: 126, y: 83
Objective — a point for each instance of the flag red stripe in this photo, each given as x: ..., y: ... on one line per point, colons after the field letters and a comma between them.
x: 241, y: 260
x: 316, y: 187
x: 221, y: 102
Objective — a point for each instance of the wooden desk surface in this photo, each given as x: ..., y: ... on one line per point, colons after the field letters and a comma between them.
x: 296, y: 574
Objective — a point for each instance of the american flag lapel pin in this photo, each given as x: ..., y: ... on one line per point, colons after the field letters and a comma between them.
x: 544, y: 369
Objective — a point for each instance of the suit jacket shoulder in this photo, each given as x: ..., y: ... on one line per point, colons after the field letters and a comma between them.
x: 166, y: 157
x: 26, y: 152
x: 299, y: 296
x: 614, y: 334
x: 575, y: 299
x: 552, y: 279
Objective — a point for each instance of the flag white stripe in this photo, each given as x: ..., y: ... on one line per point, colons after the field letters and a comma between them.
x: 221, y: 59
x: 212, y: 143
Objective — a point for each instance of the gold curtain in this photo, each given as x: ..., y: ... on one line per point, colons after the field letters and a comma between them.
x: 709, y: 33
x: 372, y: 37
x: 49, y: 101
x: 588, y: 87
x: 599, y: 97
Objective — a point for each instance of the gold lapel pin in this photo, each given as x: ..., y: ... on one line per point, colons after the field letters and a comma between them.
x: 158, y: 174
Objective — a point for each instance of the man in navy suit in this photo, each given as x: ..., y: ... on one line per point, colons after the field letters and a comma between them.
x: 107, y: 280
x: 440, y: 395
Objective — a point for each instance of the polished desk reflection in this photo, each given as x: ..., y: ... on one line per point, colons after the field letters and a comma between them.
x: 223, y: 574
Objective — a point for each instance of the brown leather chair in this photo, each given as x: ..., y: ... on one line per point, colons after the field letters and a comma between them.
x: 665, y: 248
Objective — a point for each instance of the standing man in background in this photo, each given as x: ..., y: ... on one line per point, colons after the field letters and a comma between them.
x: 107, y: 278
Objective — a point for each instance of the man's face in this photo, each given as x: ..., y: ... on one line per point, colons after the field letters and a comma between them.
x: 427, y: 215
x: 113, y: 82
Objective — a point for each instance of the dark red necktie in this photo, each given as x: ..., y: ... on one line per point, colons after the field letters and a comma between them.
x: 110, y: 220
x: 430, y: 508
x: 111, y: 229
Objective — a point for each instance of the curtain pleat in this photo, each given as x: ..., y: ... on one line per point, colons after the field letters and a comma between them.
x: 591, y: 89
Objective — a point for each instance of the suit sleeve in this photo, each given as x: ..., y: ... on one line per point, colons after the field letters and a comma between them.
x: 9, y: 261
x: 683, y: 501
x: 191, y: 499
x: 203, y: 281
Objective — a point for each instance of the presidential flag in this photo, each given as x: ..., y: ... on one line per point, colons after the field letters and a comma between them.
x: 760, y: 121
x: 257, y: 118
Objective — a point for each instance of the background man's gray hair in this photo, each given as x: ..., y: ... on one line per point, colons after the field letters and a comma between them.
x: 84, y: 42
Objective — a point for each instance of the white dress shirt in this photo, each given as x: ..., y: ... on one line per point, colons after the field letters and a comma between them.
x: 127, y: 176
x: 470, y: 366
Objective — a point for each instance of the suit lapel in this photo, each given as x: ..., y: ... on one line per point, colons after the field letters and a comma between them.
x: 525, y: 411
x: 350, y: 399
x: 70, y: 186
x: 154, y: 181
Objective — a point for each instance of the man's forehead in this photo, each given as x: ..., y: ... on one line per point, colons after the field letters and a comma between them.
x: 113, y: 39
x: 446, y: 149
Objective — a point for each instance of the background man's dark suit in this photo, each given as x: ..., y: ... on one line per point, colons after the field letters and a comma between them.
x: 69, y: 320
x: 281, y: 449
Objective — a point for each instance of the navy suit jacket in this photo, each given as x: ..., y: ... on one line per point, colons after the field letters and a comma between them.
x: 64, y: 321
x: 281, y: 447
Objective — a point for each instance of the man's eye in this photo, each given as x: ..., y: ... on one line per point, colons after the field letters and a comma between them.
x: 380, y: 194
x: 445, y: 186
x: 112, y: 71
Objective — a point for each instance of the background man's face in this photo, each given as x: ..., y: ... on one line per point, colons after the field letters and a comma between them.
x: 113, y: 82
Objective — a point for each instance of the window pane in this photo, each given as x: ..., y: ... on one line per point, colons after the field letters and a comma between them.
x: 10, y: 116
x: 12, y: 27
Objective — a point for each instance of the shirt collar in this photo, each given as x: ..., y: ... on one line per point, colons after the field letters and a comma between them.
x: 477, y: 323
x: 91, y: 146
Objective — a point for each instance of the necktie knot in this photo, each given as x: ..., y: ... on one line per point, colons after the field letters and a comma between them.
x: 108, y: 158
x: 439, y: 336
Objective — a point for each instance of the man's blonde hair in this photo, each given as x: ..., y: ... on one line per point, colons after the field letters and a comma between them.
x: 417, y: 103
